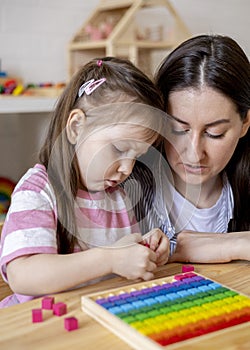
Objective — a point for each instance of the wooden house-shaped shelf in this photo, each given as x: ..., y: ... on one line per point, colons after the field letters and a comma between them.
x: 133, y: 29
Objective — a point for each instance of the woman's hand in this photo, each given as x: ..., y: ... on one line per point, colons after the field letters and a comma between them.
x: 157, y: 241
x: 203, y: 247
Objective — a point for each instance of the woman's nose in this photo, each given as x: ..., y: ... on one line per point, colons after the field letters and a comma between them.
x: 195, y: 149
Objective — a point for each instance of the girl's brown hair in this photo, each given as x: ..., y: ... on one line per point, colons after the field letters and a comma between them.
x: 58, y: 154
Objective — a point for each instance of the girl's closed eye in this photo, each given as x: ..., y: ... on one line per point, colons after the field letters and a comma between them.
x: 116, y: 149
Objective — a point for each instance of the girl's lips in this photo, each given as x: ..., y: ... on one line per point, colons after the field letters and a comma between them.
x: 112, y: 183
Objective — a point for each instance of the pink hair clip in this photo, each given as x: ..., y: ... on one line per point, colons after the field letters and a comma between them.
x: 99, y: 63
x: 90, y: 86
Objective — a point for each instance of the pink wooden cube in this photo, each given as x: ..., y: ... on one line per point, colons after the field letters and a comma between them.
x: 59, y: 309
x: 70, y: 323
x: 37, y: 315
x: 187, y: 268
x: 179, y: 277
x: 47, y: 303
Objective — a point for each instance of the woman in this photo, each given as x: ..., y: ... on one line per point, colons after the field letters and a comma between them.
x: 201, y: 184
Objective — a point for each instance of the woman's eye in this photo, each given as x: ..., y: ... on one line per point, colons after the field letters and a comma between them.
x: 215, y: 136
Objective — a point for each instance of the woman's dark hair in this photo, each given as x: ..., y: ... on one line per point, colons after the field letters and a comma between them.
x: 220, y: 63
x: 58, y: 154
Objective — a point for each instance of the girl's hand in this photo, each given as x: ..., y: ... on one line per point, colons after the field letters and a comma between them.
x: 133, y: 260
x: 157, y: 241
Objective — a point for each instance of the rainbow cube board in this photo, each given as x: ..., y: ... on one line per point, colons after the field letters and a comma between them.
x: 166, y: 311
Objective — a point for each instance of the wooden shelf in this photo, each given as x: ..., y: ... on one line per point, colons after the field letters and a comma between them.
x: 113, y: 30
x: 25, y: 104
x: 111, y: 4
x: 138, y: 43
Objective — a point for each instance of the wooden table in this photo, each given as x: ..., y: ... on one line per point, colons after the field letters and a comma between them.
x: 17, y: 332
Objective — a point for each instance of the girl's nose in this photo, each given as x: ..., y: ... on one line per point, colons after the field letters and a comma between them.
x: 126, y: 166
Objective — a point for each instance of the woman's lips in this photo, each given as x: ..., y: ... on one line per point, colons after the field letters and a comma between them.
x: 195, y: 169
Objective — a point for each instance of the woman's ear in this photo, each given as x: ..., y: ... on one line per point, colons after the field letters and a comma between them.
x: 74, y: 124
x: 246, y: 124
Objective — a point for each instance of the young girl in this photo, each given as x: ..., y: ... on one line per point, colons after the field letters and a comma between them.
x: 204, y: 182
x: 71, y: 201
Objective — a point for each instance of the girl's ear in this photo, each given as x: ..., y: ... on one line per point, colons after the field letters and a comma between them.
x: 74, y: 124
x: 245, y: 125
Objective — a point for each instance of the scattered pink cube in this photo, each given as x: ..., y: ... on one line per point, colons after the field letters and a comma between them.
x: 179, y: 277
x: 70, y: 323
x: 37, y: 315
x: 59, y: 309
x: 47, y: 303
x: 187, y: 268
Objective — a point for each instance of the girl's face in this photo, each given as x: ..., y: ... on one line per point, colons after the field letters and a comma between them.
x: 107, y: 156
x: 204, y: 129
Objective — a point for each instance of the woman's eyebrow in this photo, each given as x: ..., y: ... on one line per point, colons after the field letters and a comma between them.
x: 177, y: 119
x: 216, y: 122
x: 219, y: 121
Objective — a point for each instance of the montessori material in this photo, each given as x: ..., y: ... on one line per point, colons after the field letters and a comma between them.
x: 58, y: 309
x: 163, y: 312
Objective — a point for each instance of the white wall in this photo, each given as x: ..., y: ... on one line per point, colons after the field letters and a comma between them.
x: 227, y: 17
x: 34, y: 34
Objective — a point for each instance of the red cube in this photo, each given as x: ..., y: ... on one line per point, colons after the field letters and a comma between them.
x: 37, y: 315
x: 70, y: 323
x: 47, y: 303
x: 59, y: 309
x: 187, y: 268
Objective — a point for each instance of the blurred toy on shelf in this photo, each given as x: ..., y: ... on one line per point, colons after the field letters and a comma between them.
x: 10, y: 85
x: 14, y: 87
x: 152, y: 34
x: 6, y: 188
x: 102, y: 30
x: 44, y: 89
x: 2, y: 73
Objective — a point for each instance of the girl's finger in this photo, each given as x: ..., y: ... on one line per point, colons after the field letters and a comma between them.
x: 151, y: 266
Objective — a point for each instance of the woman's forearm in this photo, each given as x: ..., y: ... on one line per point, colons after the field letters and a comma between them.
x: 204, y: 247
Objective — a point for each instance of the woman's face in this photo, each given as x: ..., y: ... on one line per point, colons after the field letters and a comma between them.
x: 204, y: 129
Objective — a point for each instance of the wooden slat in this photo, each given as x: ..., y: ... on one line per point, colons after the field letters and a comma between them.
x: 4, y: 287
x: 18, y: 332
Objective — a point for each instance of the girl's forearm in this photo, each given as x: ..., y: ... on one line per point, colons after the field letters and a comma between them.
x: 51, y: 273
x: 212, y: 247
